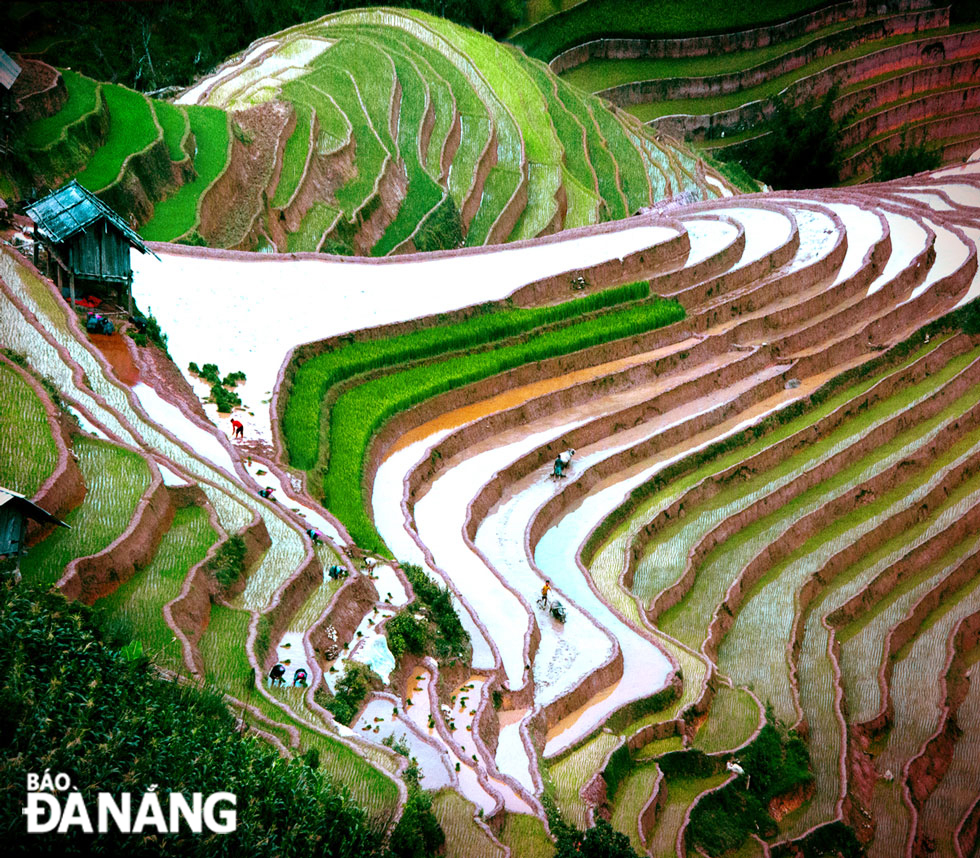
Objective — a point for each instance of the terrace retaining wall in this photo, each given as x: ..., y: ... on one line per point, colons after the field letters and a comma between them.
x: 924, y: 52
x: 669, y: 89
x: 39, y: 90
x: 725, y: 43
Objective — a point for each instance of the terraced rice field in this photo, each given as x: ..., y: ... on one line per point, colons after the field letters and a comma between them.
x: 764, y: 543
x: 28, y: 454
x: 719, y: 91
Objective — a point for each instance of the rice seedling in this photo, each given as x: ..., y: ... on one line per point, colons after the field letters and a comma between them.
x: 526, y: 836
x: 82, y: 100
x: 631, y: 794
x: 543, y: 182
x: 177, y: 215
x: 498, y: 188
x: 763, y: 623
x: 132, y: 128
x: 715, y: 104
x: 464, y: 838
x: 318, y: 220
x: 315, y: 376
x: 423, y: 192
x: 958, y: 788
x: 139, y: 602
x: 732, y: 719
x: 28, y: 454
x: 572, y: 771
x: 295, y: 155
x: 115, y: 480
x: 632, y: 170
x: 681, y: 793
x: 175, y: 124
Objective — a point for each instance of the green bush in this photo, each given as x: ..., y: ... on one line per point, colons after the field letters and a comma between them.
x: 209, y: 372
x: 418, y: 833
x: 352, y: 688
x: 406, y: 634
x: 71, y: 704
x: 688, y: 764
x: 802, y: 148
x: 442, y: 229
x: 910, y: 159
x: 600, y: 841
x: 451, y: 638
x: 225, y: 399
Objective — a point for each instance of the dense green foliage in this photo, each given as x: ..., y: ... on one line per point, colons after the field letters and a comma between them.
x: 668, y: 18
x: 833, y: 839
x: 152, y: 45
x: 775, y: 763
x: 418, y: 833
x: 70, y: 704
x: 448, y: 637
x: 351, y: 689
x: 911, y: 158
x: 441, y: 230
x: 600, y: 841
x: 406, y: 634
x: 802, y: 148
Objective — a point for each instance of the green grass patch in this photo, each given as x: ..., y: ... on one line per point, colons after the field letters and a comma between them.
x: 732, y: 719
x: 174, y: 121
x: 131, y: 129
x: 294, y: 157
x: 596, y: 19
x: 178, y: 215
x: 526, y: 836
x: 115, y: 480
x: 82, y: 99
x: 464, y: 838
x: 139, y: 602
x: 319, y: 218
x: 360, y: 412
x: 631, y: 795
x: 28, y: 454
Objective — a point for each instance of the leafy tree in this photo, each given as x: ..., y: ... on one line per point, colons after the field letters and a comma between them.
x: 406, y: 634
x: 911, y: 158
x: 600, y: 841
x: 802, y: 148
x: 418, y: 833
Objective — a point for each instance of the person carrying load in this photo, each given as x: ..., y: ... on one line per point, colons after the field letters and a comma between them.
x: 543, y: 601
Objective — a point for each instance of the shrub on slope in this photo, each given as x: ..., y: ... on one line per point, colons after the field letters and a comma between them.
x: 70, y: 704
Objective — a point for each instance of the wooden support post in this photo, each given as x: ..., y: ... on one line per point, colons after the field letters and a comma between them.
x: 129, y: 293
x: 37, y: 241
x: 71, y: 287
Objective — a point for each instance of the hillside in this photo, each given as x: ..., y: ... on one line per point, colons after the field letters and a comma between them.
x: 900, y: 76
x: 367, y: 132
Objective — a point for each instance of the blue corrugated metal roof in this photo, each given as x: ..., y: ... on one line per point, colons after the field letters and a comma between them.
x: 71, y: 209
x: 9, y: 70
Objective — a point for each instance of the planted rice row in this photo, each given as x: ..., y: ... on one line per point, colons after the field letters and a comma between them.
x: 28, y: 454
x: 314, y: 377
x: 360, y: 412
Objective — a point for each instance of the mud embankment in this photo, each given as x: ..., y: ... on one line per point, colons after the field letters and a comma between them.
x: 39, y: 90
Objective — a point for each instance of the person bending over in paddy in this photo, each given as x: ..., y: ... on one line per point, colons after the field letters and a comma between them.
x: 267, y: 493
x: 277, y: 673
x: 315, y: 536
x: 299, y: 678
x: 237, y: 429
x: 563, y: 462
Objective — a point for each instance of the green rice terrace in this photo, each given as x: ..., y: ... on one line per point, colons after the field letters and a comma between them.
x: 591, y: 534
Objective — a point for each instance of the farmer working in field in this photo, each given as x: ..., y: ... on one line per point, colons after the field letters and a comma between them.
x: 562, y: 463
x: 237, y: 428
x: 277, y: 673
x: 544, y: 592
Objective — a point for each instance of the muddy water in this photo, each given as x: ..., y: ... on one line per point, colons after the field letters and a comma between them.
x: 908, y: 239
x: 113, y: 347
x: 389, y: 519
x: 519, y: 395
x: 951, y: 252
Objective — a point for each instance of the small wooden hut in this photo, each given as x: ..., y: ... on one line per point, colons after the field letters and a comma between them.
x: 15, y: 509
x: 86, y: 241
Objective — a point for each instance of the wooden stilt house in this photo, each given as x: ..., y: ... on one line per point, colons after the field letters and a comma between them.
x: 88, y: 243
x: 15, y: 510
